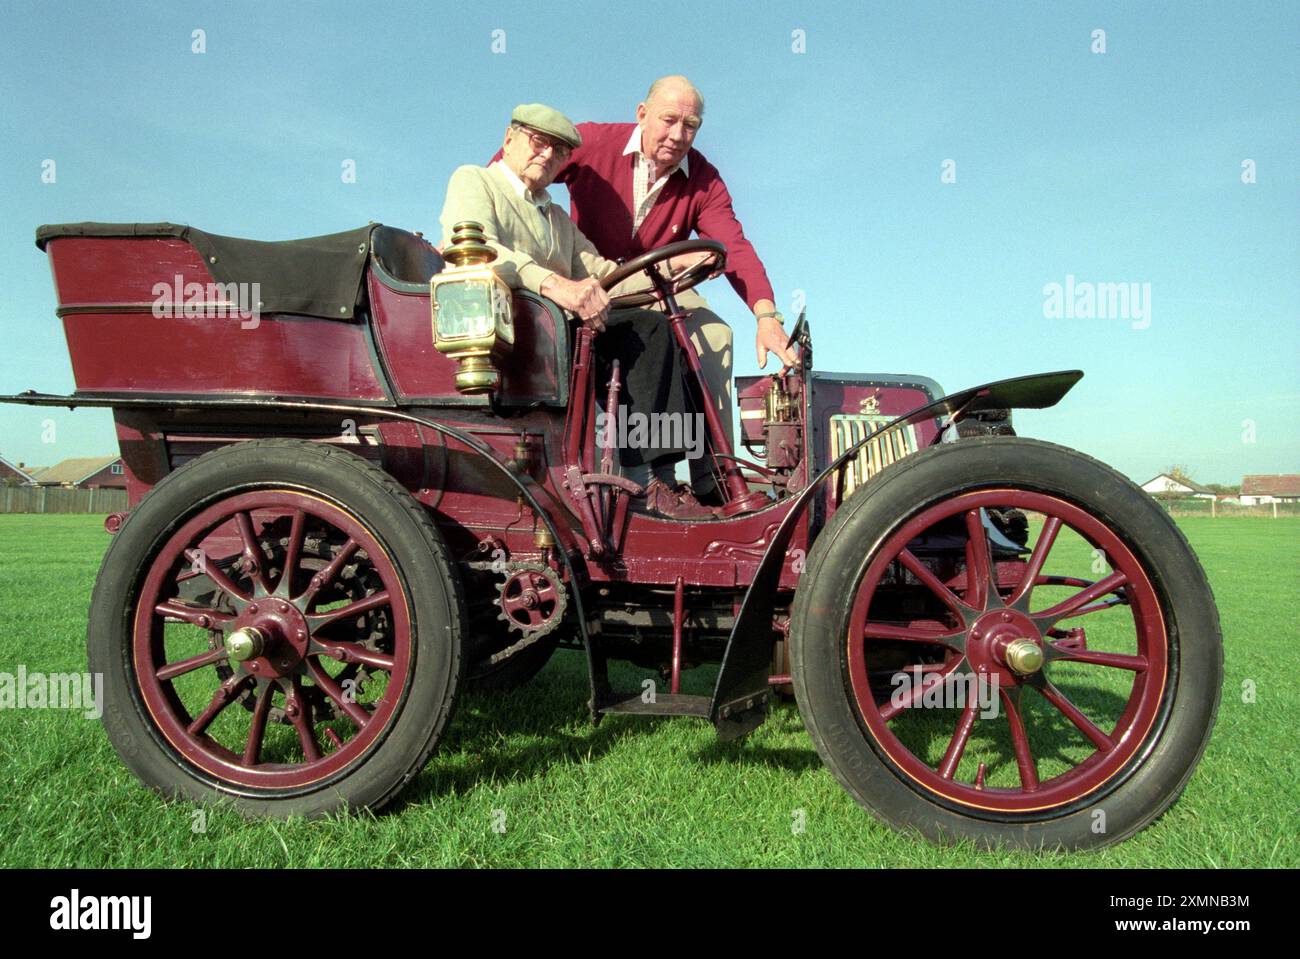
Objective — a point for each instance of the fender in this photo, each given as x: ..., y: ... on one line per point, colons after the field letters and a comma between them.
x: 740, y: 695
x: 129, y: 401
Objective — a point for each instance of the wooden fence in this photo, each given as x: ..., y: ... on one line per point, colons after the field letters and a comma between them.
x: 1190, y: 506
x: 54, y: 499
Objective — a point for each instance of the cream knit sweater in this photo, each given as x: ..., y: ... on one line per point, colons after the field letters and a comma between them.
x: 532, y: 241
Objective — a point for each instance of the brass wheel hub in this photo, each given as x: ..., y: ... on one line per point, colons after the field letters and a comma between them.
x: 1003, y: 643
x: 270, y: 638
x: 245, y: 643
x: 1023, y: 656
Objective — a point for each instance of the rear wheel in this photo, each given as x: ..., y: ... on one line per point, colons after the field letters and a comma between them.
x: 947, y: 673
x: 277, y: 622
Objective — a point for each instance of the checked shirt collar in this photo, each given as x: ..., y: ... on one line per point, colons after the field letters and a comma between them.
x: 643, y: 190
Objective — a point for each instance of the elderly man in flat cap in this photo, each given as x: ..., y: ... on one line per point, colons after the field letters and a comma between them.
x: 540, y: 249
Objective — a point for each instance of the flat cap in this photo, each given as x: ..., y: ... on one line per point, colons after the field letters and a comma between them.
x: 547, y: 120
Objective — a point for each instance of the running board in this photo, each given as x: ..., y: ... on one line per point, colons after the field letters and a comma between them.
x: 664, y: 704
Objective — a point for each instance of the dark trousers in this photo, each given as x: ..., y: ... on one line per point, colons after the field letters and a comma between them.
x: 650, y: 371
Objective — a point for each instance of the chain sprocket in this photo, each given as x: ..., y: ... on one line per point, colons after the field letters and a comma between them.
x: 532, y: 600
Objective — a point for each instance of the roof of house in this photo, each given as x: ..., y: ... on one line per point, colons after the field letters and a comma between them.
x: 73, y: 471
x: 1190, y: 484
x: 1274, y: 484
x: 21, y: 472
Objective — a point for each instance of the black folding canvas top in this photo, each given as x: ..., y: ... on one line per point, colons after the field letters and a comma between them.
x: 316, y: 276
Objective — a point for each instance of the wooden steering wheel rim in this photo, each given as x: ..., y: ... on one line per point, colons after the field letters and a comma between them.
x: 692, y: 277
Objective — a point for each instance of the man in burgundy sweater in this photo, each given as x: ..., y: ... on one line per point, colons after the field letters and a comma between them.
x: 637, y: 186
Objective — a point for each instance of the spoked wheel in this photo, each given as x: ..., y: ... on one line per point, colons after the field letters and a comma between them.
x: 262, y: 636
x: 1055, y: 693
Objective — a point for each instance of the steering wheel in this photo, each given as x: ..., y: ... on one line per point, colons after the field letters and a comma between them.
x: 713, y: 262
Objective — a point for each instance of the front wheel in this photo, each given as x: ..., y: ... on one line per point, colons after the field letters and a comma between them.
x: 1054, y: 691
x: 277, y: 623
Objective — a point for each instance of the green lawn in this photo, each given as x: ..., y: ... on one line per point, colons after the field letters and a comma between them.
x: 632, y: 791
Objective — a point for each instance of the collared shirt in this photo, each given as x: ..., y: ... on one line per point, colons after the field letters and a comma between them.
x: 643, y: 190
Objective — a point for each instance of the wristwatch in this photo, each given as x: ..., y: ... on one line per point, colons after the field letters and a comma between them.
x: 774, y: 313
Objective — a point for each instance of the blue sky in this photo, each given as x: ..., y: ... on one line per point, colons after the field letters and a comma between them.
x: 1115, y: 167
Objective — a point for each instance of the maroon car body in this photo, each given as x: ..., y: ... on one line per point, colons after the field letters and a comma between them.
x: 542, y: 547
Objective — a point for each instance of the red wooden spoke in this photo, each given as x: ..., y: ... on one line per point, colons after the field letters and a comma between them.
x: 325, y: 681
x: 1046, y: 539
x: 1098, y: 607
x: 1062, y: 581
x: 257, y: 729
x: 183, y: 666
x: 353, y: 653
x: 891, y: 709
x: 1137, y: 664
x: 199, y: 616
x: 914, y: 634
x: 978, y: 563
x: 299, y: 708
x: 990, y: 625
x: 373, y: 601
x: 1073, y: 714
x: 1071, y: 606
x: 222, y: 698
x: 326, y: 576
x: 214, y: 573
x: 254, y: 558
x: 1019, y: 740
x: 959, y: 739
x: 297, y: 530
x: 933, y: 583
x: 289, y: 649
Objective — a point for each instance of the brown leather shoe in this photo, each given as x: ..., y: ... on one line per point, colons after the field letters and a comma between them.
x: 676, y: 502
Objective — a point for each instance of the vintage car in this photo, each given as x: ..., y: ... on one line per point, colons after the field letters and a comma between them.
x: 364, y: 475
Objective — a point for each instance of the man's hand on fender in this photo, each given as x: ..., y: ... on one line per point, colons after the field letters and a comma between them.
x: 772, y: 336
x: 583, y: 297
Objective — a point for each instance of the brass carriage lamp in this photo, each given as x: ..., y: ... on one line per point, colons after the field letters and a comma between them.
x: 472, y: 321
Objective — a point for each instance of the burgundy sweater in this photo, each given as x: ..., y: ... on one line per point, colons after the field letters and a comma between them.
x: 599, y: 178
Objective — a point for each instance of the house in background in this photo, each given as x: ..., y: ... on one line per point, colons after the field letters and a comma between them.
x: 87, y: 472
x: 11, y: 475
x: 1274, y: 488
x: 1167, y: 485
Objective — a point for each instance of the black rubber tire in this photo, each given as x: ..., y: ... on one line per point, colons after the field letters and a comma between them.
x: 403, y: 528
x: 1158, y: 772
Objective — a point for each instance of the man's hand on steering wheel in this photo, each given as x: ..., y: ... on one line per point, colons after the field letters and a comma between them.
x: 587, y: 298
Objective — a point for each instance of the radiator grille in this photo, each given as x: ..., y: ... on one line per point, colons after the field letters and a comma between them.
x: 847, y: 429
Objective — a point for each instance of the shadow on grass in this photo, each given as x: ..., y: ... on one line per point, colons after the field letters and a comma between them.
x: 523, y: 733
x: 783, y: 720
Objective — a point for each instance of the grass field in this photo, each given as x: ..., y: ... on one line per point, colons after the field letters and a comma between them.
x: 631, y: 792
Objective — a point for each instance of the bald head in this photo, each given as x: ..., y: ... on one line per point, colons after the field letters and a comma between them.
x: 675, y: 87
x: 669, y: 118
